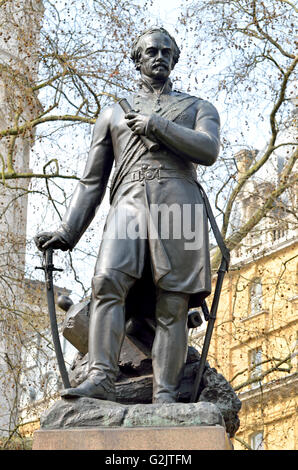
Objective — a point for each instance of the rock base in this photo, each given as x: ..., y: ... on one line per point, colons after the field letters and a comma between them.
x: 92, y: 412
x: 135, y: 438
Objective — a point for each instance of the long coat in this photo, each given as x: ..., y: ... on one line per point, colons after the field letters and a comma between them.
x: 187, y: 131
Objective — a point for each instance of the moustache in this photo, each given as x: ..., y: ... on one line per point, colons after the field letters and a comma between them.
x: 158, y: 64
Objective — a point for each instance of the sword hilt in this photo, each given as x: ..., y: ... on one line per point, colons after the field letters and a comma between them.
x: 48, y: 266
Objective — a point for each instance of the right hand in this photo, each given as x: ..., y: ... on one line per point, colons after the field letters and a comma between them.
x: 137, y: 122
x: 45, y: 240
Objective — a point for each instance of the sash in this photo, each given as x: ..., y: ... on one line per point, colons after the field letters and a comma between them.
x: 135, y: 148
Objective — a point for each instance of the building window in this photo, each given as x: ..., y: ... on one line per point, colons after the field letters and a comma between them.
x: 256, y: 296
x: 255, y: 366
x: 277, y: 234
x: 256, y: 441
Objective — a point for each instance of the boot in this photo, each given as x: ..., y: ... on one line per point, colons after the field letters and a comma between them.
x: 92, y: 388
x: 106, y: 335
x: 169, y: 349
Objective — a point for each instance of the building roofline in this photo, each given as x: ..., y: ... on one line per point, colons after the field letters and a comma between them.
x: 282, y: 387
x: 263, y: 254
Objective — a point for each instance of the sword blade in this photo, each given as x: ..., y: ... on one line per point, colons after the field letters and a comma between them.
x: 53, y: 318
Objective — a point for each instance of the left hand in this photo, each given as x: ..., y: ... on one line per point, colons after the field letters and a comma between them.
x: 137, y: 122
x: 54, y: 240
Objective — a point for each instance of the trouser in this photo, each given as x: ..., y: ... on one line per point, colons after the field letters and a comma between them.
x: 107, y: 331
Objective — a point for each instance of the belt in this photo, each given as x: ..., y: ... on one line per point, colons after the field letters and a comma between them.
x: 147, y: 173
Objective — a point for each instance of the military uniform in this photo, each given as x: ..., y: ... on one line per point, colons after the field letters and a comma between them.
x: 187, y: 132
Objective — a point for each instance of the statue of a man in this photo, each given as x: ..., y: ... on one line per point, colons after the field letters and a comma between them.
x: 186, y: 131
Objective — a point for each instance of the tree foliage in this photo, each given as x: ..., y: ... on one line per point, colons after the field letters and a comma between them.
x: 251, y: 48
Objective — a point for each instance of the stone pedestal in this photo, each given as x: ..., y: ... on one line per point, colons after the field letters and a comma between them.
x: 137, y: 438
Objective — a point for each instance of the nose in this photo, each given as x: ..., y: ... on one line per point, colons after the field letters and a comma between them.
x: 160, y: 55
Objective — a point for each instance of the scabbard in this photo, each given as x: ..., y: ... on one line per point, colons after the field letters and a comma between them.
x: 211, y: 321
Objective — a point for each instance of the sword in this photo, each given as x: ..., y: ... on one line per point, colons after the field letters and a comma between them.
x: 48, y: 269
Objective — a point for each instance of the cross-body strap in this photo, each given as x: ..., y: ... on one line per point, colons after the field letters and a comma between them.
x: 219, y: 239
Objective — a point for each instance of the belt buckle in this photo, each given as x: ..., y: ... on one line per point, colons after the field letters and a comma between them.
x: 147, y: 174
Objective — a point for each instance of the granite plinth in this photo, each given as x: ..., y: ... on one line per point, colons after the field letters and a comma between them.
x: 135, y: 438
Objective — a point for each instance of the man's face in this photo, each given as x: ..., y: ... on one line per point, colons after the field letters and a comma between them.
x: 156, y: 59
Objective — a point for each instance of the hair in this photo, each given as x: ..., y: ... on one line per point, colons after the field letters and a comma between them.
x: 136, y: 49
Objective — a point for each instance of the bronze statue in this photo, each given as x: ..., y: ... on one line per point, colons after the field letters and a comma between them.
x: 153, y: 275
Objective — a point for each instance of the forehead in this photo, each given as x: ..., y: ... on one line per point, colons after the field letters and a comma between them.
x: 156, y: 40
